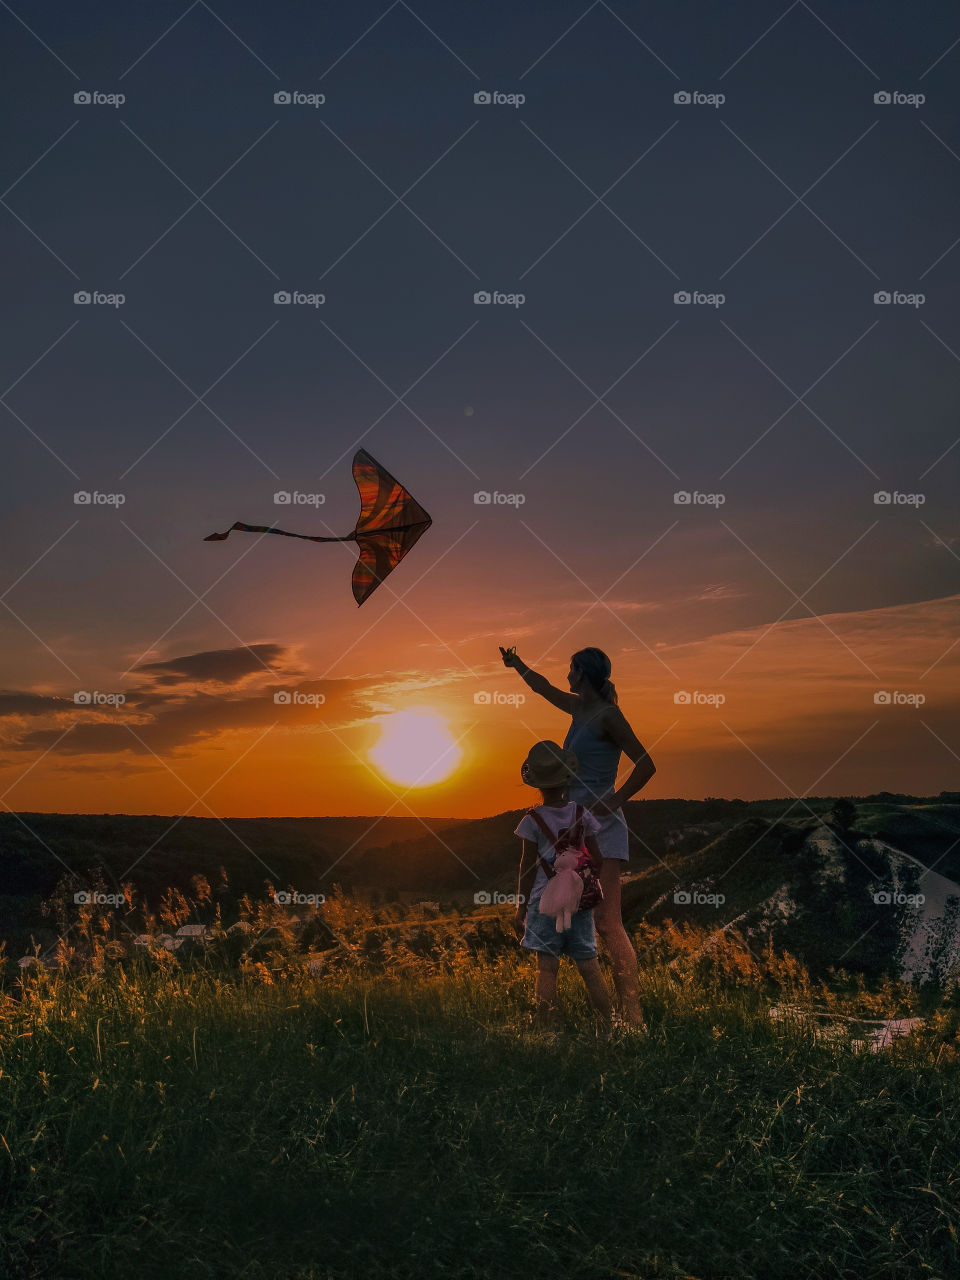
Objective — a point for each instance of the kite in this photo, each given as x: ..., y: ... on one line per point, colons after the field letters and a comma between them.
x: 390, y: 522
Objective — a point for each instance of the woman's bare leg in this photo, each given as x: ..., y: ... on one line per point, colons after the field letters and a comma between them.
x: 617, y: 943
x: 593, y: 980
x: 547, y: 968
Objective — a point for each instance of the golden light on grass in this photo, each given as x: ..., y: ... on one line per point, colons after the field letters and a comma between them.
x: 416, y: 748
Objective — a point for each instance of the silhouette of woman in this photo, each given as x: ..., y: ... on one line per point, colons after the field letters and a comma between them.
x: 598, y: 733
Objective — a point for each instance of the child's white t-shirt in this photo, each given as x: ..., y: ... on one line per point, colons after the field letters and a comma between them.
x: 556, y: 817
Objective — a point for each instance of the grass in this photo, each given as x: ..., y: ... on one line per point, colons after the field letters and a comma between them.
x: 405, y: 1121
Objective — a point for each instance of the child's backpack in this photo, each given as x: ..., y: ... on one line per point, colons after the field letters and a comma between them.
x: 572, y: 838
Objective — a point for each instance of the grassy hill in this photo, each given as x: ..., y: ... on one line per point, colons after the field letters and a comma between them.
x: 810, y: 888
x: 927, y: 829
x: 157, y: 852
x: 173, y: 1121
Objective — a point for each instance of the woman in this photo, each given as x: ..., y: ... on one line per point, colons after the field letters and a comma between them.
x: 599, y: 732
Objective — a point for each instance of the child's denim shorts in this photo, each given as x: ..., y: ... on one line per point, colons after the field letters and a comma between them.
x: 579, y: 942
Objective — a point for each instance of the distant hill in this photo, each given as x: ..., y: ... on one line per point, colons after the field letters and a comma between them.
x: 788, y: 872
x: 483, y: 853
x: 834, y: 897
x: 156, y: 852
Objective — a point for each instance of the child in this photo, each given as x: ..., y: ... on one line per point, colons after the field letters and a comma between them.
x: 549, y: 768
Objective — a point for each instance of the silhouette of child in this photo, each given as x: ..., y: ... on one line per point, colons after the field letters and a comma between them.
x: 548, y: 767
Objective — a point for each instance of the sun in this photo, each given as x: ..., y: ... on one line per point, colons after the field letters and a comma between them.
x: 415, y: 748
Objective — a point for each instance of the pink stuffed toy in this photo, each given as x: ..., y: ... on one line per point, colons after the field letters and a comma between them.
x: 561, y: 894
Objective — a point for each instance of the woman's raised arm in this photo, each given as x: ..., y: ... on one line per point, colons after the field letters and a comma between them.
x: 539, y: 684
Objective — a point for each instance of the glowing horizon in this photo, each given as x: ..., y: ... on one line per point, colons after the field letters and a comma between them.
x: 250, y: 732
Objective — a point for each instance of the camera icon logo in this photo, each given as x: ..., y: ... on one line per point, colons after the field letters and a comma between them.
x: 881, y: 298
x: 282, y: 498
x: 82, y: 498
x: 81, y: 298
x: 682, y: 97
x: 882, y: 98
x: 82, y: 98
x: 82, y: 698
x: 882, y: 498
x: 482, y: 497
x: 282, y: 698
x: 681, y: 298
x: 682, y: 498
x: 482, y: 898
x: 682, y: 698
x: 83, y: 898
x: 682, y: 897
x: 882, y: 898
x: 282, y: 298
x: 882, y: 698
x: 481, y: 698
x: 482, y: 298
x: 282, y: 98
x: 482, y: 98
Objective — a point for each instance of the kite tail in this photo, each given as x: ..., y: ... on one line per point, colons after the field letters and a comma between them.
x: 265, y: 528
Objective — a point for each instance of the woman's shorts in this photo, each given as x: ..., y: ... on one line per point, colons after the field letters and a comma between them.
x: 579, y: 942
x: 613, y: 836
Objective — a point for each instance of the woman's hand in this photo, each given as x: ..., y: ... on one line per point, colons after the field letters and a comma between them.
x: 603, y: 808
x: 520, y: 921
x: 509, y: 656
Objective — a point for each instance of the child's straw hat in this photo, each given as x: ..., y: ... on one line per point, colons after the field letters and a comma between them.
x: 548, y: 765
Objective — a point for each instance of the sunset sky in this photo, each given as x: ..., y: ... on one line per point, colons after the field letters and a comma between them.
x: 796, y: 399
